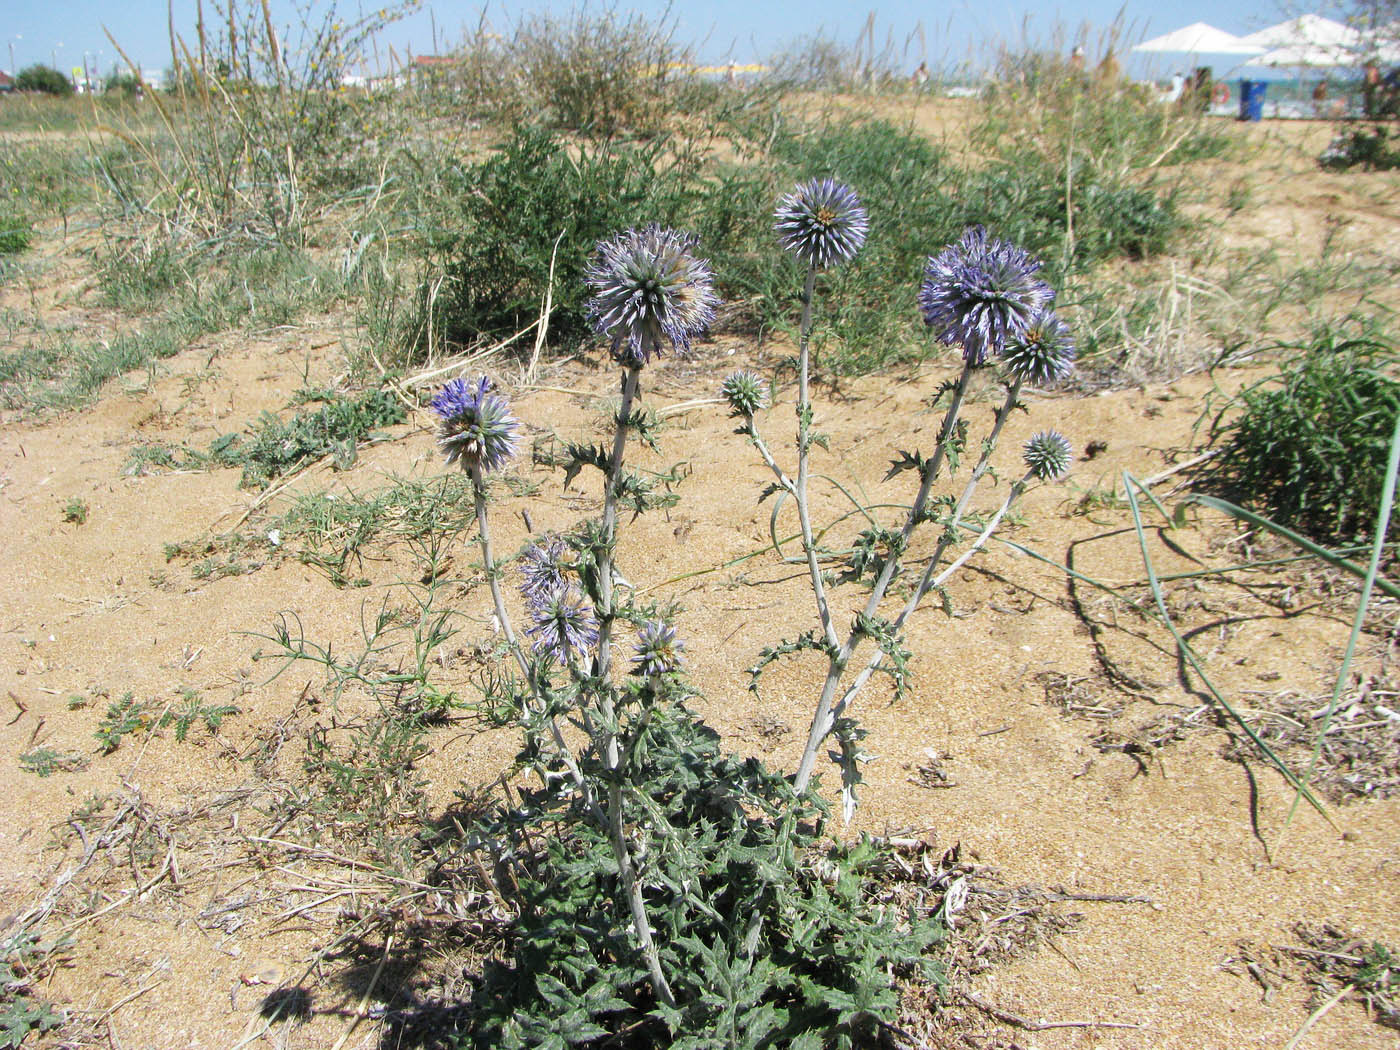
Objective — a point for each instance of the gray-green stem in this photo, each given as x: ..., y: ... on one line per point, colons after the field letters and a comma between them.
x: 836, y: 666
x: 611, y: 758
x: 927, y: 583
x: 804, y: 442
x: 988, y: 447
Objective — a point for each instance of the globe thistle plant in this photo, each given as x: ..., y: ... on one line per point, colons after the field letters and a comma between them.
x: 745, y: 393
x: 1042, y: 353
x: 822, y: 222
x: 650, y: 291
x: 564, y: 625
x: 476, y: 428
x: 542, y: 569
x: 658, y: 650
x: 981, y: 294
x: 1047, y: 455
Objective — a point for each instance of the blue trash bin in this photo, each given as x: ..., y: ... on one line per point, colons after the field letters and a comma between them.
x: 1252, y: 99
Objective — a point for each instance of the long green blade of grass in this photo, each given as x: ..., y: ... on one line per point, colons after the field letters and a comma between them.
x: 1129, y: 482
x: 1248, y: 516
x: 1372, y: 578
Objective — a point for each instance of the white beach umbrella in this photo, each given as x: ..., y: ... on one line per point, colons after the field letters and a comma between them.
x: 1308, y: 40
x: 1305, y: 31
x: 1199, y: 39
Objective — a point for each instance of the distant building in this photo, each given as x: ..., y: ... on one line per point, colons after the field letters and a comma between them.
x: 7, y: 82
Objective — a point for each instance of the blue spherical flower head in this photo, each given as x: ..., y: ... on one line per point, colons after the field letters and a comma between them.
x: 1047, y: 455
x: 650, y: 291
x: 1043, y: 352
x: 542, y: 569
x: 745, y: 393
x: 476, y: 429
x: 564, y: 626
x: 980, y: 294
x: 822, y: 222
x: 658, y: 650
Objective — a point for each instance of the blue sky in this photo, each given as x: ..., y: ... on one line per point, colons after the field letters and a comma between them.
x: 744, y: 30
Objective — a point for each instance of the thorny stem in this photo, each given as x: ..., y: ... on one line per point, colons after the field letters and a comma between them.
x: 927, y: 583
x: 950, y: 533
x: 617, y: 832
x: 606, y: 613
x: 822, y: 719
x: 804, y: 441
x: 483, y: 533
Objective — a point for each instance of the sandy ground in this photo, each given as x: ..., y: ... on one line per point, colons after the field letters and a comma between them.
x: 187, y: 907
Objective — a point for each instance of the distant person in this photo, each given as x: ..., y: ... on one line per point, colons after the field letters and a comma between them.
x: 1370, y: 83
x: 1076, y: 59
x: 1178, y: 86
x: 921, y: 76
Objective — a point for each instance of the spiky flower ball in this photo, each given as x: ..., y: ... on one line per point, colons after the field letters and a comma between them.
x: 564, y: 625
x: 650, y: 292
x: 1047, y: 455
x: 980, y: 294
x: 476, y: 429
x: 745, y: 393
x: 542, y: 569
x: 658, y: 650
x: 822, y: 222
x: 1042, y: 353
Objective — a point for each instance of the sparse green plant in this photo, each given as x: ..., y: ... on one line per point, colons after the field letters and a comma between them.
x: 124, y: 717
x: 194, y: 712
x: 45, y: 761
x: 333, y: 529
x: 144, y: 458
x: 278, y: 446
x: 75, y: 511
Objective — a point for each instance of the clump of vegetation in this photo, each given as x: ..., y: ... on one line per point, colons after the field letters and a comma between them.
x: 15, y: 230
x: 1308, y: 446
x: 278, y: 446
x: 1371, y: 147
x: 770, y: 936
x: 1336, y: 962
x: 24, y: 962
x: 45, y: 761
x: 44, y: 79
x: 521, y: 224
x: 600, y: 73
x: 75, y: 511
x: 124, y: 717
x: 681, y: 891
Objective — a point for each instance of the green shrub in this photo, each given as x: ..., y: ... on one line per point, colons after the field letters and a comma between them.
x: 1308, y: 447
x: 15, y: 231
x: 1374, y: 148
x: 44, y: 79
x: 771, y: 939
x: 530, y: 204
